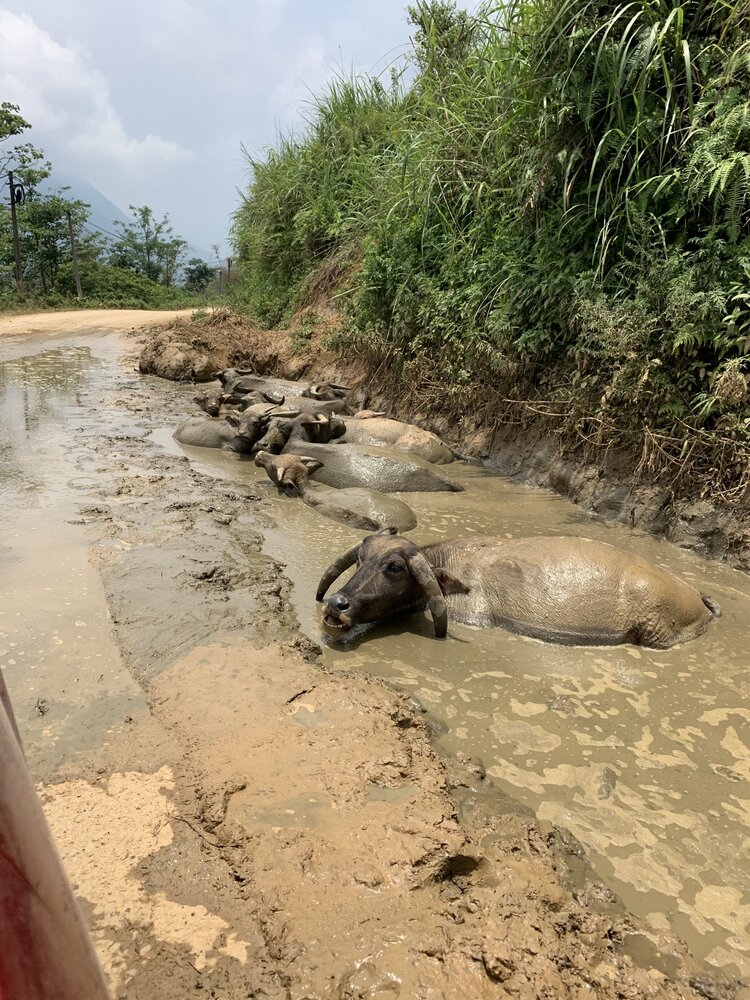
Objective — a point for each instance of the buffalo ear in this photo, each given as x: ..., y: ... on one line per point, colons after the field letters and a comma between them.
x: 198, y: 399
x: 449, y: 584
x: 311, y: 464
x: 233, y: 419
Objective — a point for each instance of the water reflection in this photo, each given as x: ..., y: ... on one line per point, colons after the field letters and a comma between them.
x: 35, y: 390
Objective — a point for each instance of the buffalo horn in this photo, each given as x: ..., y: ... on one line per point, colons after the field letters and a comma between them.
x: 274, y: 397
x: 422, y: 573
x: 335, y: 570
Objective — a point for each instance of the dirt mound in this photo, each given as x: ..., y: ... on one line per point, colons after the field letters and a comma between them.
x: 191, y: 349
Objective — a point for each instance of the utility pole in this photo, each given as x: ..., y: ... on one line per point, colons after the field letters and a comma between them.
x: 229, y: 270
x: 14, y: 223
x: 74, y: 257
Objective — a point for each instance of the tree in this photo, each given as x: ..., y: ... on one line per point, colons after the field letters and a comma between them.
x: 23, y: 157
x: 198, y: 275
x: 148, y: 246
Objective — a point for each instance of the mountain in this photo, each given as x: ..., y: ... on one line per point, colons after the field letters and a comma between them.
x: 104, y: 212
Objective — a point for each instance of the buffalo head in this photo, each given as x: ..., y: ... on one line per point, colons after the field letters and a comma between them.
x: 210, y: 401
x: 289, y: 472
x: 393, y: 577
x: 248, y: 426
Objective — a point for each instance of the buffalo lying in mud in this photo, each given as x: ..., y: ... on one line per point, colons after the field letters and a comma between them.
x: 358, y: 507
x: 376, y: 429
x: 315, y: 428
x: 322, y: 398
x: 325, y: 391
x: 262, y: 426
x: 211, y: 401
x: 379, y: 469
x: 237, y: 432
x: 565, y: 590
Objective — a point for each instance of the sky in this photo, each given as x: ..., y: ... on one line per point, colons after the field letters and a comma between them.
x: 151, y: 100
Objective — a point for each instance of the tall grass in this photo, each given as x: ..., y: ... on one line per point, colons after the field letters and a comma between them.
x: 557, y: 207
x: 312, y: 197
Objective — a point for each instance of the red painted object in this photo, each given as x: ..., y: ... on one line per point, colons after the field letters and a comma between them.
x: 45, y: 949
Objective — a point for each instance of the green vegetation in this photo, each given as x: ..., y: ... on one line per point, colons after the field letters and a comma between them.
x: 552, y: 217
x: 148, y: 247
x: 136, y: 270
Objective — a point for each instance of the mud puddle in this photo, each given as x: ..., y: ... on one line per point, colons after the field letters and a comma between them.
x: 239, y: 798
x: 644, y: 755
x: 168, y: 917
x: 69, y: 688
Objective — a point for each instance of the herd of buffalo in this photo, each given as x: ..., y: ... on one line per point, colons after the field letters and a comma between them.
x: 559, y: 589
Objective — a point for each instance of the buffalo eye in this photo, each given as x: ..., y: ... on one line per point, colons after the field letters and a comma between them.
x: 394, y: 567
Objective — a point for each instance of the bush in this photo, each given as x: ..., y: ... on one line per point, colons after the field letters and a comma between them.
x: 557, y: 208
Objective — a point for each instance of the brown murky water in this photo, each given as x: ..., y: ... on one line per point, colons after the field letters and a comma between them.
x: 69, y: 686
x: 644, y: 755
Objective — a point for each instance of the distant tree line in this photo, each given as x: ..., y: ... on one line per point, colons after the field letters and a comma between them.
x: 141, y: 262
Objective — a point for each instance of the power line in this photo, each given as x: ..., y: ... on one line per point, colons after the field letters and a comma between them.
x: 102, y: 229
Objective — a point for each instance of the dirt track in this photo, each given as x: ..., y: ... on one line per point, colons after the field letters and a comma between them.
x: 50, y: 324
x: 257, y: 826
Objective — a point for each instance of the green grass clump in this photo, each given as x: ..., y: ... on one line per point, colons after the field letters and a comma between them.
x: 552, y: 216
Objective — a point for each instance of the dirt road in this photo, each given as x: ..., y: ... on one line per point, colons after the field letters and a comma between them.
x: 49, y: 324
x: 234, y: 818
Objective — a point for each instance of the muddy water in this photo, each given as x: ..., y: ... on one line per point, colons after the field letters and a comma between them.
x: 62, y: 667
x: 644, y: 755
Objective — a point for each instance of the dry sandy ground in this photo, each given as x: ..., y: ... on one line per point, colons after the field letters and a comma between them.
x: 83, y: 320
x: 261, y: 827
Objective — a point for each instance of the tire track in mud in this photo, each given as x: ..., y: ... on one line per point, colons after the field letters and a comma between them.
x: 279, y: 829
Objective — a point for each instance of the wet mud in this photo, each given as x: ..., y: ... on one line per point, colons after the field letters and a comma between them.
x: 244, y: 815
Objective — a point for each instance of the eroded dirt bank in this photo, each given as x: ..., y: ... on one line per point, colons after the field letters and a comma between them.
x: 607, y: 486
x: 236, y: 819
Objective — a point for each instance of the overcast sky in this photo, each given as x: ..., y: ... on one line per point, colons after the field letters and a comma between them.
x: 150, y: 100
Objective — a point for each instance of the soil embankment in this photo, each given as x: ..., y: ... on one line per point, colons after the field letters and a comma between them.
x: 245, y: 822
x: 609, y: 485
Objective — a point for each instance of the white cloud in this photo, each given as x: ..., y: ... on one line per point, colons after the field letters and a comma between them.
x: 67, y: 100
x: 151, y: 100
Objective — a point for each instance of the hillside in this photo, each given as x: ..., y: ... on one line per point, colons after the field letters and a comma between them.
x: 549, y: 224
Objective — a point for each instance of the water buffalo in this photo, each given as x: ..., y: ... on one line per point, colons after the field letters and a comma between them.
x: 209, y: 432
x: 308, y: 405
x: 244, y: 380
x: 325, y: 391
x: 572, y: 591
x: 236, y: 432
x: 302, y: 429
x: 360, y: 508
x: 212, y: 400
x: 242, y: 399
x: 377, y: 429
x: 377, y: 468
x: 230, y: 376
